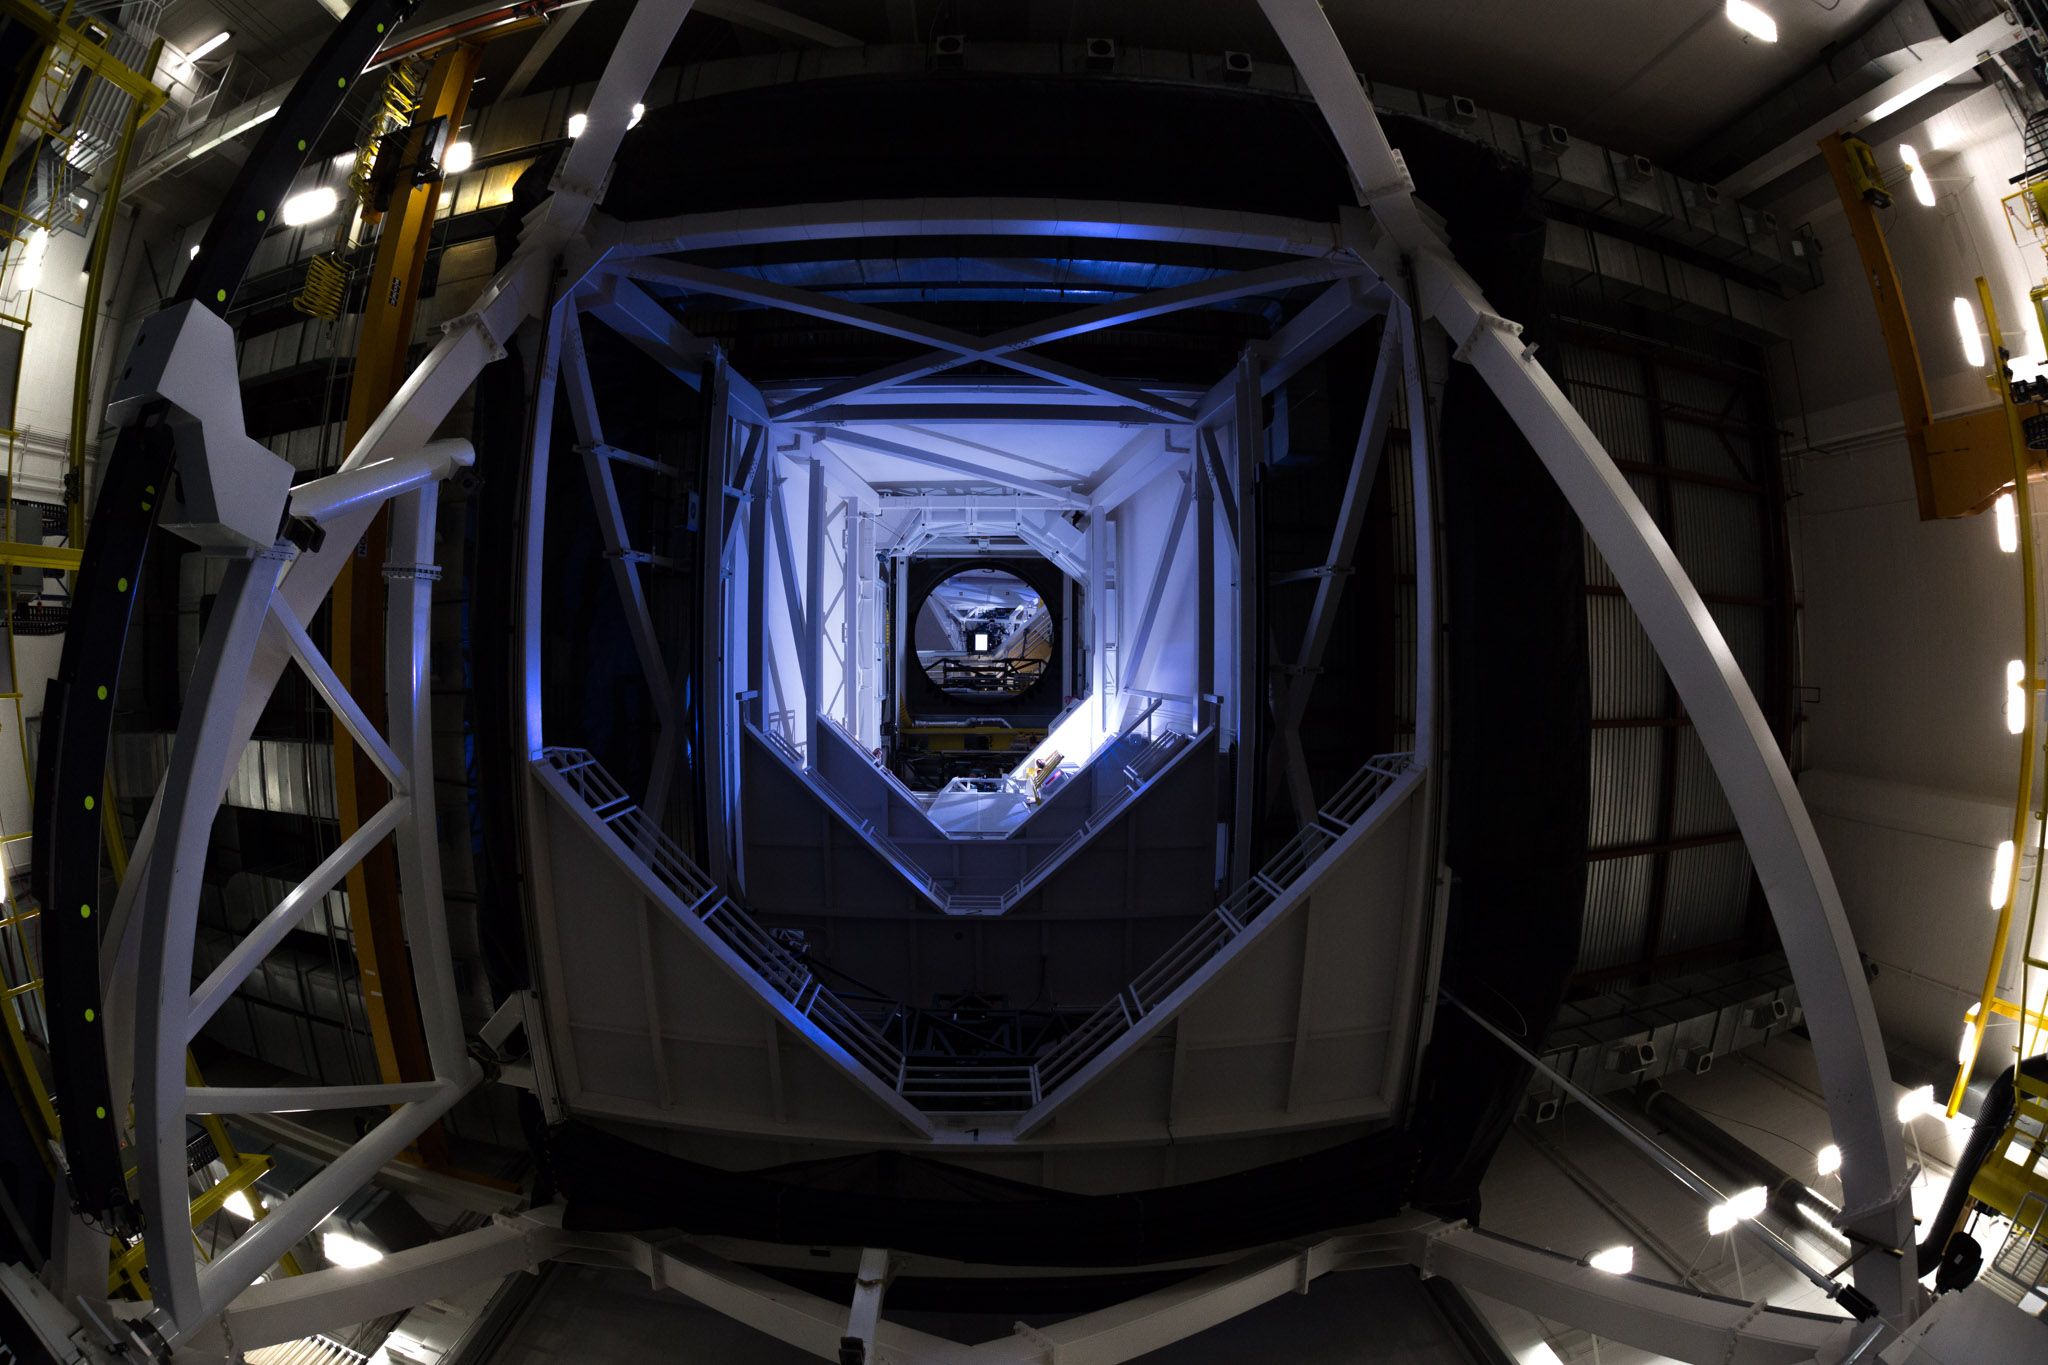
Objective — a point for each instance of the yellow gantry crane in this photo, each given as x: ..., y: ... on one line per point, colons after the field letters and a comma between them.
x: 1963, y: 465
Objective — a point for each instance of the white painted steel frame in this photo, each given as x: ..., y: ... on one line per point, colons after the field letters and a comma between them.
x: 552, y: 261
x: 1739, y: 743
x: 1664, y: 1319
x: 242, y: 656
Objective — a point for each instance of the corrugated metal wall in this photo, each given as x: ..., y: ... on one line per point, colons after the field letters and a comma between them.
x: 1670, y: 882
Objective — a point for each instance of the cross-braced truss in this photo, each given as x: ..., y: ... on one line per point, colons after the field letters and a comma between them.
x: 571, y: 260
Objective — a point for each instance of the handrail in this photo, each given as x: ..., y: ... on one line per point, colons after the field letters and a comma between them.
x: 994, y: 1084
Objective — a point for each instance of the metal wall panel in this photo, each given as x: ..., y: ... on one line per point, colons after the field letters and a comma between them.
x: 1683, y: 431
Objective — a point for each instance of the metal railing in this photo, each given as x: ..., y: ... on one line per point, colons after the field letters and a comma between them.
x: 973, y: 1085
x: 1147, y: 758
x: 779, y: 968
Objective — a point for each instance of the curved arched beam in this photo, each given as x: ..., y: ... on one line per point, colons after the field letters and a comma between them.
x: 242, y: 656
x: 1738, y: 741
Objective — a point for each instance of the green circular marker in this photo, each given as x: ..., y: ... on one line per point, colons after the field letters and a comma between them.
x: 90, y: 1016
x: 88, y: 803
x: 145, y: 507
x: 120, y: 585
x: 380, y: 28
x: 149, y: 488
x: 85, y: 912
x: 302, y: 144
x: 261, y: 215
x: 220, y: 296
x: 100, y: 1112
x: 341, y: 82
x: 103, y: 693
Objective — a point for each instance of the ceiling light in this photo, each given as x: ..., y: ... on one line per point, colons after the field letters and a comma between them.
x: 1740, y: 1206
x: 1966, y: 1050
x: 2008, y: 514
x: 238, y: 1204
x: 2015, y: 704
x: 639, y: 112
x: 209, y: 45
x: 195, y: 252
x: 1923, y: 188
x: 1752, y: 20
x: 343, y: 1250
x: 81, y: 201
x: 309, y: 207
x: 30, y: 273
x: 1828, y: 1160
x: 2001, y: 868
x: 1614, y: 1260
x: 577, y: 123
x: 1917, y: 1104
x: 1966, y: 328
x: 460, y: 158
x: 193, y: 153
x: 980, y: 643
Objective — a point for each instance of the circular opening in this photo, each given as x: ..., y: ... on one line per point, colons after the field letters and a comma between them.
x: 983, y: 633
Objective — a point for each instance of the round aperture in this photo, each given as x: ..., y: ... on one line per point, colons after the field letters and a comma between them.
x: 984, y: 633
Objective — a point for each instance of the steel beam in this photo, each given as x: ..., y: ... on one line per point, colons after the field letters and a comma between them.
x: 1334, y: 314
x: 1663, y: 1319
x: 618, y: 549
x: 1155, y: 303
x: 291, y: 1307
x: 1737, y: 738
x: 1128, y: 662
x: 825, y: 307
x: 973, y: 217
x: 1933, y: 64
x: 287, y: 1099
x: 1295, y: 687
x: 1248, y: 629
x: 1052, y: 493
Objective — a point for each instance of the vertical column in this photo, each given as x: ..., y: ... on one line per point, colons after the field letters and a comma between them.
x: 813, y: 645
x: 1248, y: 703
x: 1204, y: 700
x: 715, y: 725
x: 410, y: 575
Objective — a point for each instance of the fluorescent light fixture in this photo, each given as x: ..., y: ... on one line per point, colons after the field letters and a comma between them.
x: 980, y: 642
x: 343, y: 1250
x: 195, y: 252
x: 1741, y: 1206
x: 1614, y: 1260
x: 460, y: 158
x: 201, y: 149
x: 1752, y: 20
x: 208, y: 46
x: 2015, y: 705
x: 309, y: 207
x: 81, y: 201
x: 238, y: 1204
x: 2008, y: 514
x: 577, y: 123
x: 1917, y: 1104
x: 2001, y: 873
x: 1923, y: 188
x: 639, y: 112
x: 1966, y: 328
x: 1968, y: 1045
x: 1828, y: 1160
x: 30, y: 271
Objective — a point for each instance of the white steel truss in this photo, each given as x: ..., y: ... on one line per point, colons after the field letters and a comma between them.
x: 570, y: 260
